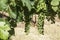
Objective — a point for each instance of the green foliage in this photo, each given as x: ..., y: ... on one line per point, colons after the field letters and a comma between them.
x: 27, y: 3
x: 21, y: 10
x: 54, y: 2
x: 3, y: 5
x: 4, y: 28
x: 11, y: 13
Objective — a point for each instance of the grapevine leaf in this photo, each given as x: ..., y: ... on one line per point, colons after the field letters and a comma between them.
x: 11, y: 13
x: 27, y: 3
x: 3, y: 4
x: 54, y: 2
x: 4, y: 34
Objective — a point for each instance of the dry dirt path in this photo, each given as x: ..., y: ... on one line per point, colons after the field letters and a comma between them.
x: 51, y: 32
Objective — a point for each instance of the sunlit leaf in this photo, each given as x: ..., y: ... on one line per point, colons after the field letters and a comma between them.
x: 55, y: 2
x: 4, y: 28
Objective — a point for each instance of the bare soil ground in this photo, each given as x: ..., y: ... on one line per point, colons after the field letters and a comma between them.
x: 51, y: 32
